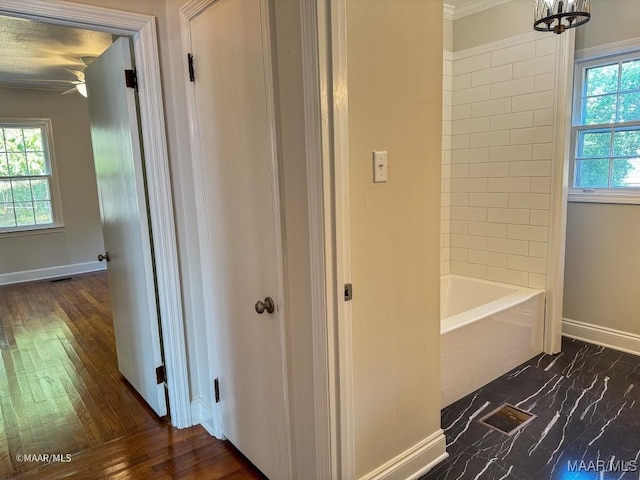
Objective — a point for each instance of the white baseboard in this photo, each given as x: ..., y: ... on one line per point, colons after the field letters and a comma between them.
x: 414, y: 462
x: 202, y: 413
x: 607, y: 337
x: 51, y: 272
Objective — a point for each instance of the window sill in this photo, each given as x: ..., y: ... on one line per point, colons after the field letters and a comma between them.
x: 604, y: 197
x: 26, y: 231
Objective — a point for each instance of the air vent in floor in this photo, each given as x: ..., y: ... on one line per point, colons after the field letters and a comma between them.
x: 507, y: 419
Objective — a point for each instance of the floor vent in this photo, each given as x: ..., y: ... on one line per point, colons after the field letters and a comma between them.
x: 507, y: 419
x: 63, y: 279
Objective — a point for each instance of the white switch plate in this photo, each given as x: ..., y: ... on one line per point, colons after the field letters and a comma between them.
x: 380, y: 167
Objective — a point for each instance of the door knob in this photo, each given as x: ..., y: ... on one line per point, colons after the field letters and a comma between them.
x: 102, y: 257
x: 267, y: 305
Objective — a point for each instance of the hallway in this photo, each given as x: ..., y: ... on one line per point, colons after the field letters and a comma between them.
x: 61, y: 394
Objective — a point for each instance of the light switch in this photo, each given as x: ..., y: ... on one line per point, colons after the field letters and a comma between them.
x: 380, y: 167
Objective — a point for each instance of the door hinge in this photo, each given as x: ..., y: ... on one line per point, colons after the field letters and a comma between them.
x: 216, y: 390
x: 348, y: 292
x: 161, y: 374
x: 192, y: 72
x: 131, y: 79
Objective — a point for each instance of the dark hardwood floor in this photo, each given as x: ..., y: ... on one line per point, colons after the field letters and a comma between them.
x: 61, y: 395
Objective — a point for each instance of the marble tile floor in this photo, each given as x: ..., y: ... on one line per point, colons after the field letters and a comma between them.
x: 587, y: 400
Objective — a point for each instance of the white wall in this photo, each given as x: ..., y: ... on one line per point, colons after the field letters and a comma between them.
x: 502, y: 129
x: 80, y: 240
x: 395, y: 226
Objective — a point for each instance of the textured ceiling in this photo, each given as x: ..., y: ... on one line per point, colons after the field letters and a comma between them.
x: 33, y: 50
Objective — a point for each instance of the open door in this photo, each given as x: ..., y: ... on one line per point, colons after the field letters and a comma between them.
x: 125, y: 222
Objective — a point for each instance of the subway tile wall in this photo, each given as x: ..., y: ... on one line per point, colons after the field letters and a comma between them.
x: 497, y: 151
x: 445, y: 209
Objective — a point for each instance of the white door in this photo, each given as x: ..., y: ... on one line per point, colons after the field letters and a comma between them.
x: 125, y: 223
x: 235, y: 121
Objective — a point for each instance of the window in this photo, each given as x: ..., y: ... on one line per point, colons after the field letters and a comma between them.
x: 606, y: 130
x: 27, y: 188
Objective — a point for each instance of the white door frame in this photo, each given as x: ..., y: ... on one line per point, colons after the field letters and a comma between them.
x: 142, y: 28
x: 324, y: 41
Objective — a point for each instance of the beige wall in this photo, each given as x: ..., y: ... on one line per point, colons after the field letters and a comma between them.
x: 81, y: 239
x: 602, y: 270
x: 504, y: 21
x: 395, y: 104
x: 611, y: 21
x: 603, y: 258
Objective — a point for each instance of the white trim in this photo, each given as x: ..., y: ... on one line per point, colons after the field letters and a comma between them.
x: 50, y: 272
x: 143, y: 30
x: 448, y: 56
x: 593, y: 197
x: 414, y: 462
x: 500, y: 44
x: 336, y: 161
x: 474, y: 6
x: 449, y: 11
x: 325, y: 414
x: 607, y: 337
x: 615, y: 48
x: 187, y: 13
x: 565, y: 45
x: 202, y: 413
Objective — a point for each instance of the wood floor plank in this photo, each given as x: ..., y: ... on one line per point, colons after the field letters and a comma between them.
x: 61, y: 393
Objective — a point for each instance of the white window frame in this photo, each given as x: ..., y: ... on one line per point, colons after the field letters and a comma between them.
x: 54, y: 189
x: 624, y: 195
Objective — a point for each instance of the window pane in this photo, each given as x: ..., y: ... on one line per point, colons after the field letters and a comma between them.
x: 37, y: 164
x: 7, y: 218
x: 43, y: 212
x: 18, y: 164
x: 630, y: 75
x: 626, y: 173
x: 33, y: 139
x: 13, y: 139
x: 594, y: 144
x: 602, y: 80
x: 626, y: 143
x: 40, y: 189
x: 21, y: 191
x: 4, y: 166
x: 600, y: 110
x: 6, y: 195
x: 24, y: 214
x: 629, y: 108
x: 592, y: 174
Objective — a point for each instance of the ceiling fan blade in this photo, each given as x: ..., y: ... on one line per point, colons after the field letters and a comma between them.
x: 74, y: 82
x: 73, y: 90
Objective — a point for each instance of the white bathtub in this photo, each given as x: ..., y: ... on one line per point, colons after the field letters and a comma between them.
x: 487, y: 329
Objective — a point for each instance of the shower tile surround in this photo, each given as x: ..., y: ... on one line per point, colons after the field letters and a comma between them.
x: 498, y: 111
x: 587, y: 402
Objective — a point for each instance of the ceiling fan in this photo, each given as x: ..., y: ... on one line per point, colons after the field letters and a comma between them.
x: 79, y: 84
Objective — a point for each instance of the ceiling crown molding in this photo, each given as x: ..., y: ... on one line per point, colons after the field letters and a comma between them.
x: 469, y: 7
x: 449, y: 11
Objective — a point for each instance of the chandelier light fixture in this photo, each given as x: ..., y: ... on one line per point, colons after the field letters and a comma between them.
x: 558, y: 15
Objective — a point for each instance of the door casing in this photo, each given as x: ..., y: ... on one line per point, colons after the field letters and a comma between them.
x: 142, y: 28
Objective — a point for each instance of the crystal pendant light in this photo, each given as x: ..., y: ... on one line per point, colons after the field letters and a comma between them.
x: 558, y: 15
